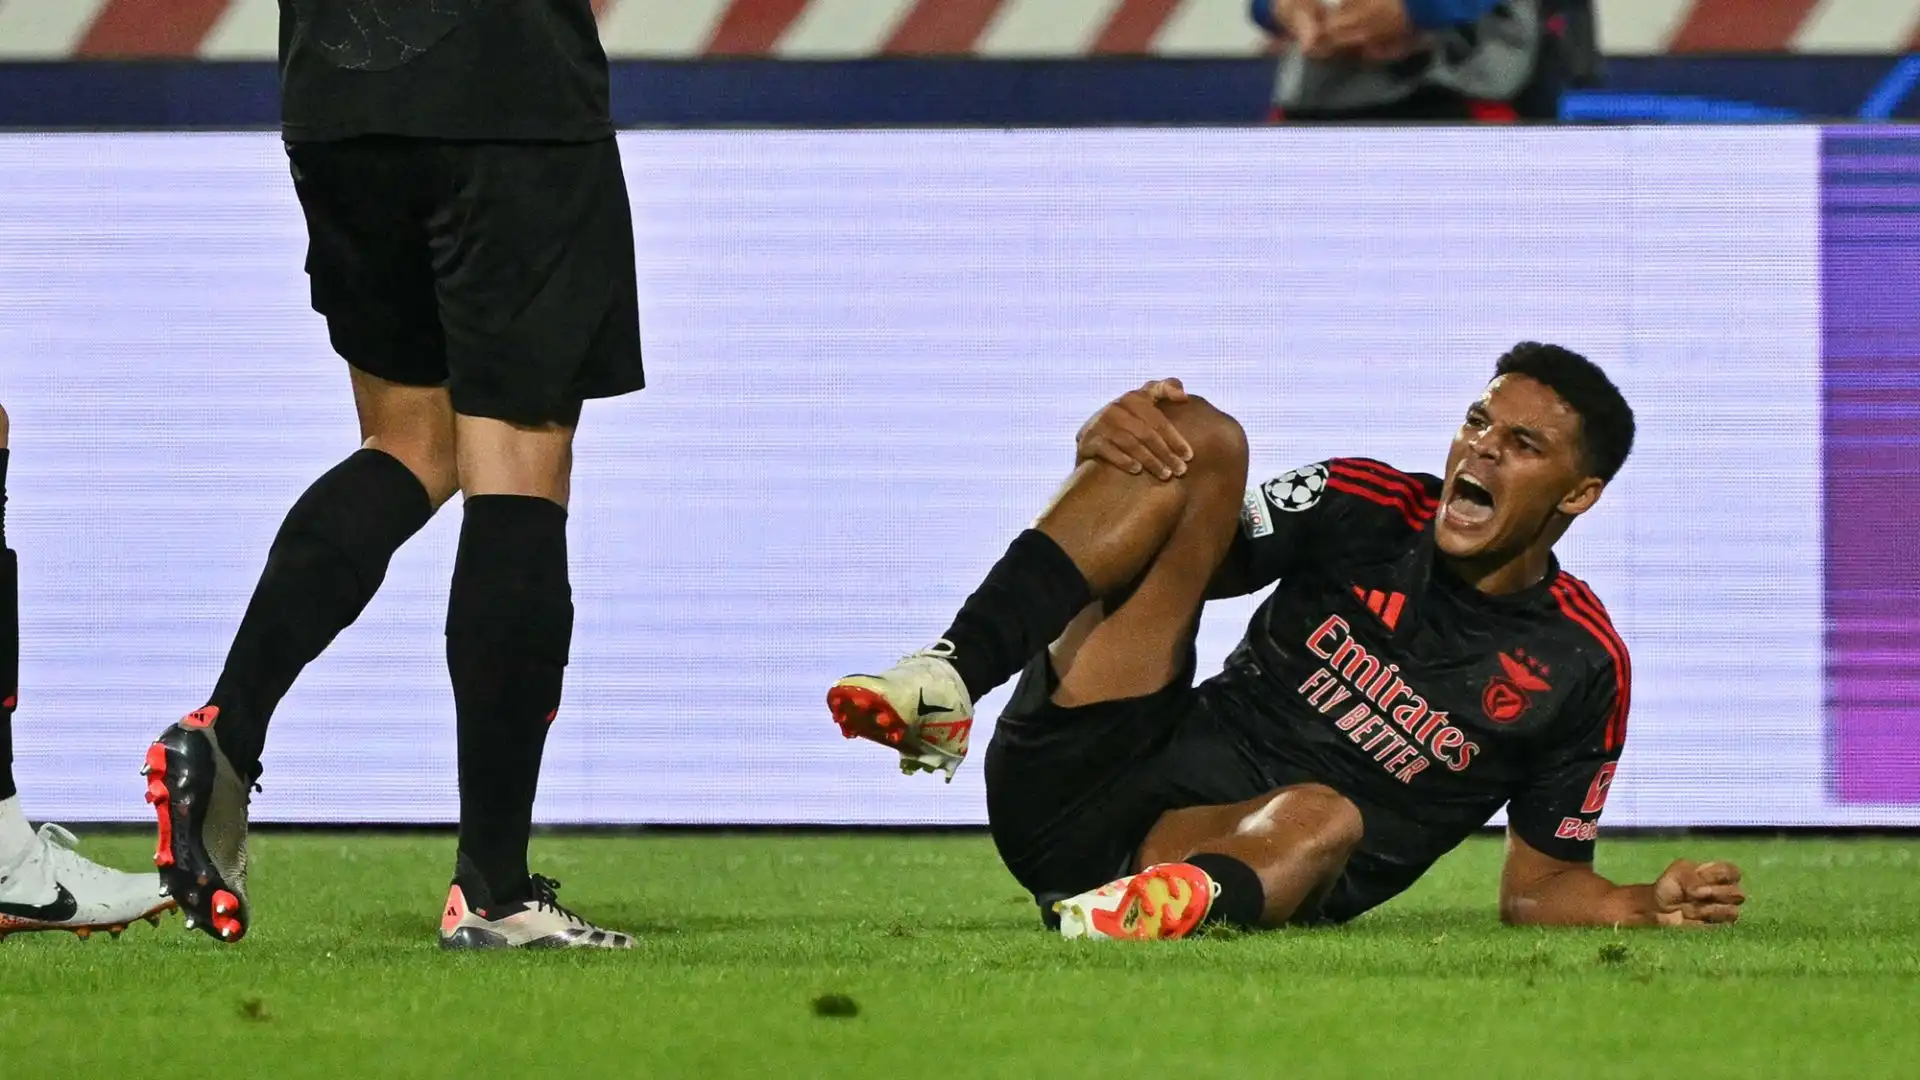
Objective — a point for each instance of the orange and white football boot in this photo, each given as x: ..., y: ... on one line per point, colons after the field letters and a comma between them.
x: 1161, y: 902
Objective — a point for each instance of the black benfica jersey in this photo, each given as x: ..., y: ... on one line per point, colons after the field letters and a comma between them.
x: 488, y: 70
x: 1375, y: 668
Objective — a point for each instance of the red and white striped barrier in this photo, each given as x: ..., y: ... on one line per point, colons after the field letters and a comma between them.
x: 841, y: 29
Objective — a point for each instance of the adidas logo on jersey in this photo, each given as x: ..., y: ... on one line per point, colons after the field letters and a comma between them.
x: 1387, y: 605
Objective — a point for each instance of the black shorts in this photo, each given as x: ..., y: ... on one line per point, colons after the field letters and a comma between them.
x: 1072, y: 793
x: 503, y: 271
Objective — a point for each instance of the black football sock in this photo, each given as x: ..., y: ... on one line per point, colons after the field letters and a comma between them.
x: 327, y: 561
x: 9, y: 641
x: 1025, y: 603
x: 1242, y: 898
x: 509, y: 626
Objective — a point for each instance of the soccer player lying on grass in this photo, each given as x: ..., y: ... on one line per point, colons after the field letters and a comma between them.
x: 44, y: 883
x: 1423, y: 662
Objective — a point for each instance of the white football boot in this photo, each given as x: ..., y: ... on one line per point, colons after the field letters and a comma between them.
x: 1165, y: 901
x: 918, y: 707
x: 51, y: 887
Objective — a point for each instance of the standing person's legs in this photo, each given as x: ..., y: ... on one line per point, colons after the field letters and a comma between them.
x: 371, y: 274
x: 534, y: 266
x: 331, y: 554
x: 509, y: 628
x: 44, y: 883
x: 13, y: 827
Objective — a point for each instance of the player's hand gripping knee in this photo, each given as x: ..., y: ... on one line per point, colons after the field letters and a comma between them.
x: 1698, y: 894
x: 1133, y: 435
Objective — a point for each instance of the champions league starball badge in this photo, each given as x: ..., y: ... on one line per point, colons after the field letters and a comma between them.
x: 1298, y: 489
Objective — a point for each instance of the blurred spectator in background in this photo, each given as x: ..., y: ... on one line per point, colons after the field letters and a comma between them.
x: 1483, y: 61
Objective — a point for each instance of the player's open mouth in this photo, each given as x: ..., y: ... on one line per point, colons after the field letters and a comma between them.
x: 1470, y: 505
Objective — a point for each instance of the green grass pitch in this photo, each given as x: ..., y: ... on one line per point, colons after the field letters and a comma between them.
x: 749, y: 944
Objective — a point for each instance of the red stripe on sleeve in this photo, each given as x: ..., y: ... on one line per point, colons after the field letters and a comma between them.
x: 1382, y: 470
x: 1622, y: 662
x: 1419, y: 511
x: 754, y: 27
x: 1574, y: 607
x: 1388, y: 479
x: 1585, y: 593
x: 1414, y: 522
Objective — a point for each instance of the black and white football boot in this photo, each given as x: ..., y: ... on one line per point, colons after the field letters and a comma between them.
x: 472, y: 920
x: 201, y: 801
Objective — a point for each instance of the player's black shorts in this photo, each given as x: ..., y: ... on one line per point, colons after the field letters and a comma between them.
x: 1072, y: 793
x: 504, y: 271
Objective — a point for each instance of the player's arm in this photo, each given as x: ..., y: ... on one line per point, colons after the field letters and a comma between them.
x: 1537, y: 889
x: 1549, y: 880
x: 1239, y: 573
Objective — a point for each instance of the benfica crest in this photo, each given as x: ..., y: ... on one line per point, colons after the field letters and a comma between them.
x: 1510, y: 693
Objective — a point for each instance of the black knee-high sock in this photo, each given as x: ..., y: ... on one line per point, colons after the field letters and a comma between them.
x: 509, y: 627
x: 1027, y: 600
x: 1242, y: 898
x: 328, y: 560
x: 9, y: 641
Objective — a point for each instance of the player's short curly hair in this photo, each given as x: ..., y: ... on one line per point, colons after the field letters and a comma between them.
x: 1606, y: 420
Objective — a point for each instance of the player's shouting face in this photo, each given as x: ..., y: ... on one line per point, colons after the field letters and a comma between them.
x: 1516, y: 476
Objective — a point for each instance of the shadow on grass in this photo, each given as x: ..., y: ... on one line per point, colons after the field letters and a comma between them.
x: 404, y: 925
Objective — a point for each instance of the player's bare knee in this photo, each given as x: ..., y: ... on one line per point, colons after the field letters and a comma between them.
x: 503, y: 457
x: 1313, y: 815
x: 1336, y: 820
x: 431, y: 461
x: 1219, y: 442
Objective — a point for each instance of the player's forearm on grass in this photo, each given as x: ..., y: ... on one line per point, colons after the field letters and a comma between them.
x: 1577, y: 897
